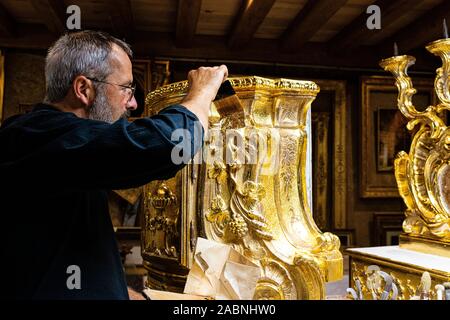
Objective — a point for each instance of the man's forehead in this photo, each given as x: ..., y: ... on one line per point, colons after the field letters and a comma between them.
x: 119, y: 56
x: 121, y: 62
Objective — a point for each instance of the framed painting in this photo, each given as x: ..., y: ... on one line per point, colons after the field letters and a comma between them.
x: 346, y: 237
x: 384, y: 133
x: 386, y: 228
x: 330, y: 150
x: 392, y: 136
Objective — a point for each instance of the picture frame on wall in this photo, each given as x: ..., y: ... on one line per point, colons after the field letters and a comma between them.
x: 384, y: 133
x: 392, y: 136
x: 387, y: 228
x: 331, y: 155
x: 346, y: 238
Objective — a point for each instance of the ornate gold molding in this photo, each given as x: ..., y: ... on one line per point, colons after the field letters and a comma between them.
x: 423, y: 174
x: 178, y: 89
x: 261, y: 208
x: 407, y: 277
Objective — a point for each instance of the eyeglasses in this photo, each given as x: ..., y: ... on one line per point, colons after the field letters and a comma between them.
x: 130, y: 89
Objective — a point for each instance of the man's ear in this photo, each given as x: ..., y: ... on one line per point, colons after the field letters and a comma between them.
x: 83, y: 90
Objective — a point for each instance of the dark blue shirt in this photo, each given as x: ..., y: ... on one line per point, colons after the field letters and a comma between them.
x: 55, y: 169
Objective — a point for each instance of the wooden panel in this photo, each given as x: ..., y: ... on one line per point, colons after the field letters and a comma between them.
x: 210, y: 47
x: 94, y: 13
x: 217, y: 18
x: 52, y: 13
x: 311, y: 18
x: 187, y: 19
x: 251, y: 16
x: 207, y: 47
x: 346, y: 14
x: 385, y: 225
x: 155, y: 15
x: 356, y: 31
x: 24, y: 82
x: 426, y: 28
x: 321, y: 180
x: 21, y: 10
x: 403, y: 19
x: 122, y: 18
x: 279, y: 17
x: 7, y: 23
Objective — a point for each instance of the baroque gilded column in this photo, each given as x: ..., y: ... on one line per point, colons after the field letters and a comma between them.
x: 247, y: 188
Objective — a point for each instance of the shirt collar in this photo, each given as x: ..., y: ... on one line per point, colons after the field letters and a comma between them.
x: 44, y: 106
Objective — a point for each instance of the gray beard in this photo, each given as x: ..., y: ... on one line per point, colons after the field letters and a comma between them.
x: 101, y: 109
x: 126, y: 114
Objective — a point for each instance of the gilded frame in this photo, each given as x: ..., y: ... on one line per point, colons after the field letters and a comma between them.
x: 339, y: 166
x: 375, y: 91
x: 346, y: 237
x: 160, y: 73
x: 320, y: 132
x: 385, y: 226
x: 142, y: 76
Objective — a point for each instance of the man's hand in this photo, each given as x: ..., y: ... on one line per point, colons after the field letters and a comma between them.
x: 204, y: 83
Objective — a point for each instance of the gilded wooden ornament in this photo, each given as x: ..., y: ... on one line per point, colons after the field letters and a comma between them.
x: 249, y: 190
x: 423, y: 174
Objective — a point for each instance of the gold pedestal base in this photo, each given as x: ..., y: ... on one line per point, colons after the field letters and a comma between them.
x: 404, y: 266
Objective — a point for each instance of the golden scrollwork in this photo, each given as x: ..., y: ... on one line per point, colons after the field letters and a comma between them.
x: 161, y: 223
x: 250, y: 188
x: 423, y: 174
x: 406, y: 281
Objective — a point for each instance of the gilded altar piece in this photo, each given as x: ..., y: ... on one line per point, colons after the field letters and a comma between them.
x: 423, y: 180
x: 247, y: 188
x: 423, y: 174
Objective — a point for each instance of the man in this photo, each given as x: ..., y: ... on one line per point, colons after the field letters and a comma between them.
x: 57, y: 161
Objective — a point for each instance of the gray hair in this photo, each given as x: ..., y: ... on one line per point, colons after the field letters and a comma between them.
x: 79, y: 53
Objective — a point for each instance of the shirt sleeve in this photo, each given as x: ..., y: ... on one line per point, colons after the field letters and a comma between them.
x: 84, y: 153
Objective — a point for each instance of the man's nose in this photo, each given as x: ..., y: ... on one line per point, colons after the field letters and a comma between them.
x: 132, y: 104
